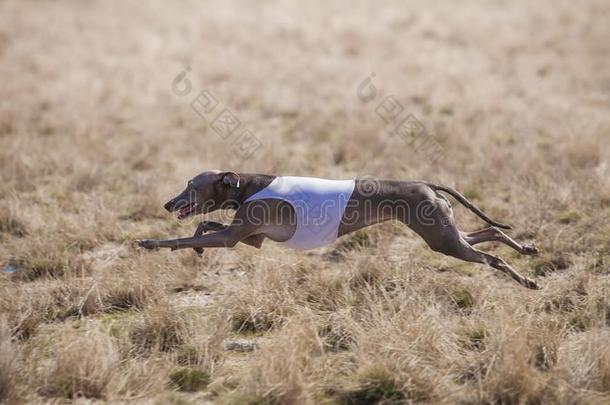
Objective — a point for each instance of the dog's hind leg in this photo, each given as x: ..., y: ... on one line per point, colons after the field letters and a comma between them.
x: 440, y: 232
x: 447, y: 240
x: 466, y: 252
x: 493, y: 234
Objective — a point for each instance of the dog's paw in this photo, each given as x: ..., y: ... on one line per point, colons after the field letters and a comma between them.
x: 530, y: 250
x: 148, y: 244
x: 531, y: 284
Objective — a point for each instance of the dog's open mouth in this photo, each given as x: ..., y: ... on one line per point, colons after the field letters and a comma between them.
x: 187, y: 210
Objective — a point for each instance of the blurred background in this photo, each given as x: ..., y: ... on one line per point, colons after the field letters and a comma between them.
x: 97, y: 79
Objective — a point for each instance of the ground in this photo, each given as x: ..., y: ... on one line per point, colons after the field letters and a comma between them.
x: 107, y: 108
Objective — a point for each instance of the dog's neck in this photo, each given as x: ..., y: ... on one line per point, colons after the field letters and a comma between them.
x: 249, y: 184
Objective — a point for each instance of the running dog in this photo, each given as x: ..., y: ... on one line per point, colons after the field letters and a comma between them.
x: 306, y: 213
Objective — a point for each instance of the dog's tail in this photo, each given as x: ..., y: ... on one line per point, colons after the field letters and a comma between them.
x: 468, y: 205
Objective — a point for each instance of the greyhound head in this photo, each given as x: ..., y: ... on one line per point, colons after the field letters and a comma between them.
x: 206, y: 192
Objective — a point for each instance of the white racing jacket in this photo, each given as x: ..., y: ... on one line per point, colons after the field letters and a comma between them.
x: 319, y: 205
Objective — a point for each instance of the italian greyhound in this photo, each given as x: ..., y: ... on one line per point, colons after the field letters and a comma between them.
x: 265, y: 208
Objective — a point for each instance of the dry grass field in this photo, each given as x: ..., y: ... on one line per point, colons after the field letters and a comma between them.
x: 97, y: 131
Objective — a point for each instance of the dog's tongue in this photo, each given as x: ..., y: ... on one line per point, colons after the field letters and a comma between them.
x: 184, y: 211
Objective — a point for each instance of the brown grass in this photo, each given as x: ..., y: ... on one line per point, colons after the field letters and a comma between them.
x: 8, y: 354
x: 161, y: 329
x: 74, y: 365
x: 93, y: 141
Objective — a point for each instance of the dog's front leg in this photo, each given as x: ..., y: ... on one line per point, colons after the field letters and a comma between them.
x: 204, y: 227
x: 201, y: 228
x: 225, y: 238
x: 240, y: 229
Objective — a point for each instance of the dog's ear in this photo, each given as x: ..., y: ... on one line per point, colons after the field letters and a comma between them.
x: 231, y: 179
